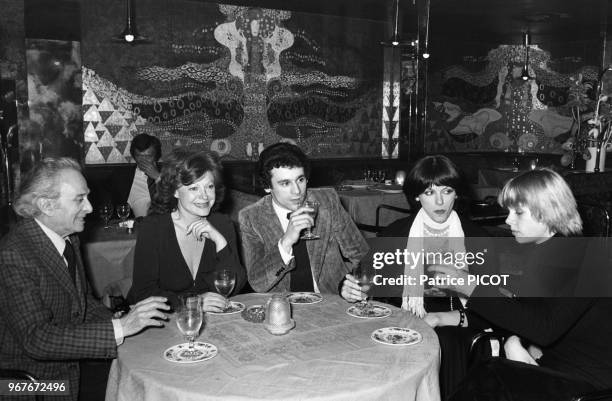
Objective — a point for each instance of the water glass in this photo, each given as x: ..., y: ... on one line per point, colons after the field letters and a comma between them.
x: 106, y: 211
x: 225, y: 280
x: 190, y: 317
x: 123, y: 211
x: 364, y: 277
x: 314, y: 206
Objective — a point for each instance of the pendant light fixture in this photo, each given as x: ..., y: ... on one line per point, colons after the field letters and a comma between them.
x: 395, y: 40
x: 525, y: 74
x: 130, y: 34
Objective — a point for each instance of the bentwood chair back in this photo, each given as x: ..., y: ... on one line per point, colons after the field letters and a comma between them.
x: 21, y: 375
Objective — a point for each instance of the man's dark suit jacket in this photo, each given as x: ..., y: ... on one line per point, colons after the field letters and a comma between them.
x: 47, y: 324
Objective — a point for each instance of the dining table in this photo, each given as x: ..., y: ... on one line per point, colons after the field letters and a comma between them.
x: 329, y: 355
x: 361, y: 204
x: 108, y: 255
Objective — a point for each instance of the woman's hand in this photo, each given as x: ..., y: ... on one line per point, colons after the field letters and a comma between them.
x: 203, y: 229
x: 213, y: 302
x: 451, y: 278
x: 351, y: 290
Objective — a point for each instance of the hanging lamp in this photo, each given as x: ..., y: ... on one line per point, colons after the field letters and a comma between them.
x: 130, y: 34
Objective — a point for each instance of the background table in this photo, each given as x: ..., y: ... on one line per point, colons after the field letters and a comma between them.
x: 109, y: 257
x: 361, y: 205
x: 328, y: 356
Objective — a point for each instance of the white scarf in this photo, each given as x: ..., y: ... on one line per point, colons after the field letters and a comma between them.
x: 412, y: 296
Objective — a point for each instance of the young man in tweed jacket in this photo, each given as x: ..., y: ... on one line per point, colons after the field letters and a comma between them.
x: 271, y: 229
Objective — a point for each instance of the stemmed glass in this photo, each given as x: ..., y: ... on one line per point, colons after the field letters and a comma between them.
x: 123, y: 211
x: 364, y: 277
x: 106, y: 211
x: 314, y: 206
x: 190, y: 318
x: 224, y: 283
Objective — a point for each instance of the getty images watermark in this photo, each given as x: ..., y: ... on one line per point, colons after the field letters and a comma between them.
x: 411, y: 259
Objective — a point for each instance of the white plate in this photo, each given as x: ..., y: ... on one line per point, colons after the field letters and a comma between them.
x: 181, y: 353
x: 396, y: 336
x: 235, y: 307
x: 304, y: 298
x: 373, y: 312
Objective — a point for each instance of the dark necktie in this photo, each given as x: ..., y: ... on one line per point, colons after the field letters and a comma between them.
x: 71, y: 259
x: 151, y: 186
x: 301, y: 277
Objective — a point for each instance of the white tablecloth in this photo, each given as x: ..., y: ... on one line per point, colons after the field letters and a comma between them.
x: 328, y: 356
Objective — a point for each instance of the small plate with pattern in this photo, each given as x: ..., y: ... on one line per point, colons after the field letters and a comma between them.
x: 304, y: 298
x: 234, y: 307
x: 371, y: 312
x: 181, y: 353
x: 396, y: 336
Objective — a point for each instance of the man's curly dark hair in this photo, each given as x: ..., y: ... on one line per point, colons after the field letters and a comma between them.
x: 280, y: 154
x: 184, y: 167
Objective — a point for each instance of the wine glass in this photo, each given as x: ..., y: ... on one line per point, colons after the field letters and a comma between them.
x: 314, y: 206
x: 123, y: 211
x: 106, y: 211
x: 224, y: 283
x: 364, y: 277
x: 190, y: 318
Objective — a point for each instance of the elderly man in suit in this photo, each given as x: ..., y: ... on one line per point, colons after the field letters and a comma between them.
x: 275, y: 257
x: 49, y: 322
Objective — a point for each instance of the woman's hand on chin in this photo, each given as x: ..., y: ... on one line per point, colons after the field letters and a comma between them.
x: 203, y: 229
x: 213, y: 302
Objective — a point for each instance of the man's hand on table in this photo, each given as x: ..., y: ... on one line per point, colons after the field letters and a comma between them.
x: 145, y: 313
x: 351, y: 290
x: 213, y: 302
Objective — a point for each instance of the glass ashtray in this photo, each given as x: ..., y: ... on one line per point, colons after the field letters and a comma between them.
x: 254, y: 313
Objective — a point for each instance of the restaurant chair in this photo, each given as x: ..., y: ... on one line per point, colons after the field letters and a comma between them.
x: 595, y: 219
x: 387, y: 207
x: 478, y: 342
x: 21, y: 375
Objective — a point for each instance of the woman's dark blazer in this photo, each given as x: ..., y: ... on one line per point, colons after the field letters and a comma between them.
x: 159, y: 266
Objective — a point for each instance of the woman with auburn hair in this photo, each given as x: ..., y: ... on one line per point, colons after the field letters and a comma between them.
x: 571, y: 334
x: 184, y: 240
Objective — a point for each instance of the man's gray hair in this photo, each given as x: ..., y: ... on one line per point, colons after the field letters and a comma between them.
x: 41, y: 182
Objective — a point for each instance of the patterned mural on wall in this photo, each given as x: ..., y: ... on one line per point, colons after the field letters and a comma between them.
x: 494, y: 109
x: 233, y: 79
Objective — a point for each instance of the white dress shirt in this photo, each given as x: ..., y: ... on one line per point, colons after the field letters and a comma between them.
x: 281, y: 213
x: 139, y: 198
x: 60, y: 244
